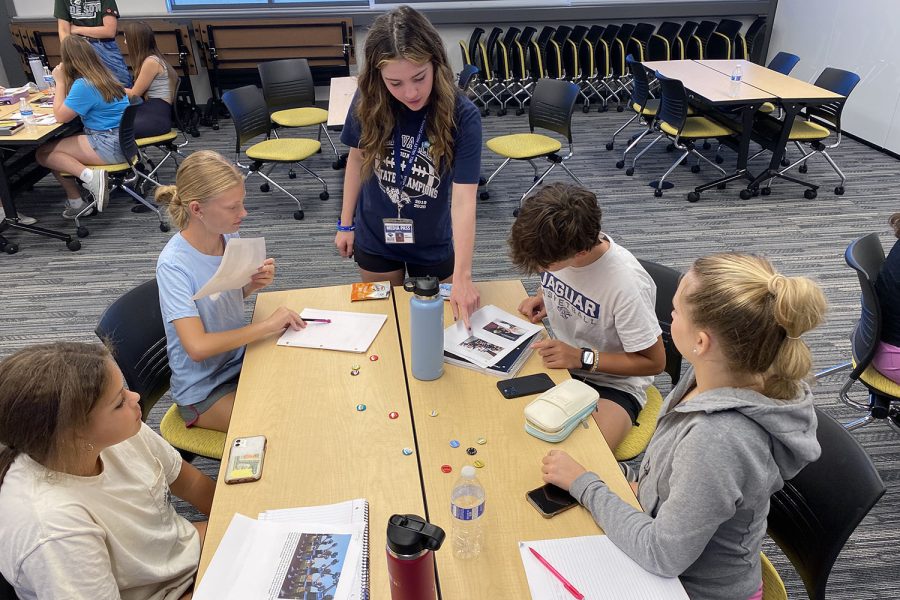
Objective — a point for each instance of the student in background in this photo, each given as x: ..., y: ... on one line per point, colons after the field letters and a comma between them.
x: 154, y: 81
x: 84, y: 484
x: 97, y: 22
x: 737, y: 426
x: 887, y: 286
x: 205, y: 338
x: 599, y: 299
x: 86, y: 89
x: 396, y: 216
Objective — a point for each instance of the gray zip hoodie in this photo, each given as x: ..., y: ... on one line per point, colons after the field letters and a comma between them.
x: 705, y: 484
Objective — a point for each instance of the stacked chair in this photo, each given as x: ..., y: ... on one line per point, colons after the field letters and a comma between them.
x: 639, y: 42
x: 726, y: 42
x: 664, y: 44
x: 696, y: 47
x: 644, y: 107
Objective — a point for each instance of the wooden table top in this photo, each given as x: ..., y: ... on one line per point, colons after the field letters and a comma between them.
x: 782, y: 86
x: 35, y: 133
x: 321, y: 450
x: 470, y: 406
x: 709, y: 83
x: 340, y: 95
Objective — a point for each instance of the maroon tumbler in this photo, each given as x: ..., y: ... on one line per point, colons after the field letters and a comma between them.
x: 411, y: 541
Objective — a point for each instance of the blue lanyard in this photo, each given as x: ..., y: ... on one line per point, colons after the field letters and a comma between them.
x: 402, y: 176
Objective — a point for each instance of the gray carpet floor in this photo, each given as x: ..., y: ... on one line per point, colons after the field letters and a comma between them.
x: 50, y: 293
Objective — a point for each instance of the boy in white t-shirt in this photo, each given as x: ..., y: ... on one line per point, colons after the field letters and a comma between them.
x: 599, y: 300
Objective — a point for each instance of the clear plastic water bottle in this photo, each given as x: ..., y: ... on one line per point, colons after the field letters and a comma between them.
x: 467, y: 510
x: 736, y: 75
x: 26, y: 112
x: 49, y: 82
x: 426, y: 324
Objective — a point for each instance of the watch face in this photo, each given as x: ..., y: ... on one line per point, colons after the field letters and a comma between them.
x: 587, y: 358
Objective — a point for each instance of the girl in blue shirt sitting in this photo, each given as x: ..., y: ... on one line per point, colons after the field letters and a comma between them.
x: 84, y: 88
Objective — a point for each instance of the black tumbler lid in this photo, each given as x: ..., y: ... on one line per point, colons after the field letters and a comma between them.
x: 423, y: 286
x: 410, y: 534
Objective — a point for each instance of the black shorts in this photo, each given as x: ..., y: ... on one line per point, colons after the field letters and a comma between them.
x: 379, y: 264
x: 623, y: 399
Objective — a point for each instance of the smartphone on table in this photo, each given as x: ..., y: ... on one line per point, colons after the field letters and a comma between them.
x: 245, y: 459
x: 525, y: 386
x: 550, y: 500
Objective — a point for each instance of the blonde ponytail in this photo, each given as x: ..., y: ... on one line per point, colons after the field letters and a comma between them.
x: 202, y: 175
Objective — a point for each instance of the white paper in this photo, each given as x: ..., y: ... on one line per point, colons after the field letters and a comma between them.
x: 242, y: 258
x: 596, y: 568
x: 495, y: 333
x: 347, y: 332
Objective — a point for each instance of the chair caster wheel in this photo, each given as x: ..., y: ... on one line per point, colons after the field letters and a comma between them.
x: 810, y: 194
x: 82, y: 231
x: 164, y: 227
x: 693, y: 197
x: 481, y: 181
x: 73, y: 245
x: 520, y: 112
x: 620, y: 108
x: 839, y: 190
x: 695, y: 168
x: 323, y: 196
x: 719, y: 159
x: 766, y: 191
x: 292, y: 174
x: 720, y: 186
x: 629, y: 171
x: 264, y: 187
x: 9, y: 248
x: 803, y: 168
x: 745, y: 194
x: 516, y: 213
x: 501, y: 112
x: 670, y: 147
x: 620, y: 164
x: 215, y: 127
x: 484, y: 195
x: 585, y: 109
x: 609, y: 145
x: 603, y: 108
x: 657, y: 193
x: 707, y: 145
x: 298, y: 214
x: 785, y: 162
x: 754, y: 192
x: 336, y: 165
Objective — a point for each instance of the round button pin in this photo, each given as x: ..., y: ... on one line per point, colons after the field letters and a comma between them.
x: 355, y: 367
x: 354, y: 372
x: 471, y: 451
x: 373, y: 357
x: 393, y: 415
x: 478, y: 464
x: 454, y: 443
x: 446, y: 468
x: 481, y: 441
x: 360, y: 407
x: 434, y: 413
x: 407, y: 451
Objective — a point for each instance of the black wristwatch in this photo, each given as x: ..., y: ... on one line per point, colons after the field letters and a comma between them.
x: 587, y: 359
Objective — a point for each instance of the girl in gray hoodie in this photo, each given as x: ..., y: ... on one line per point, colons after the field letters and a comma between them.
x: 739, y: 424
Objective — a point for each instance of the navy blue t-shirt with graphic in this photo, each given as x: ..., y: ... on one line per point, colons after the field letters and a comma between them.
x: 426, y: 192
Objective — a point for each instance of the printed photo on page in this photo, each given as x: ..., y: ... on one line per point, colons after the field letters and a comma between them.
x: 494, y: 334
x: 312, y: 566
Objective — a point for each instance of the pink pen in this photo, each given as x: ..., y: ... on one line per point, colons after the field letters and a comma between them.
x: 569, y: 587
x: 317, y: 320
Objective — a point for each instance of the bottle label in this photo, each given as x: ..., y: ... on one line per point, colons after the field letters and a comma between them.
x: 467, y: 514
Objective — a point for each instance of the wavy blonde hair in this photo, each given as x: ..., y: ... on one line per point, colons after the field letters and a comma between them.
x: 80, y: 60
x: 758, y: 315
x: 404, y: 33
x: 201, y: 176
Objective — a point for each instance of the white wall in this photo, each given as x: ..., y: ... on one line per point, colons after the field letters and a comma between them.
x: 859, y: 36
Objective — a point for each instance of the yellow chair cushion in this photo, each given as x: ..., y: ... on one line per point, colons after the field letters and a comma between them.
x: 696, y: 128
x: 196, y: 440
x: 523, y: 145
x: 284, y: 150
x: 807, y: 130
x: 637, y: 439
x: 300, y: 117
x: 767, y: 107
x: 108, y: 168
x: 875, y: 380
x: 773, y: 587
x: 649, y: 109
x: 157, y: 139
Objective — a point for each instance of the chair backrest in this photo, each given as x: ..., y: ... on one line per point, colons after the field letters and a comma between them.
x: 756, y: 33
x: 287, y: 83
x: 640, y: 90
x: 562, y: 34
x: 526, y: 35
x: 784, y: 62
x: 132, y: 326
x: 813, y: 515
x: 551, y: 106
x: 248, y: 113
x: 511, y: 35
x: 673, y: 105
x: 466, y: 75
x: 666, y: 280
x: 668, y: 30
x: 126, y: 133
x: 491, y: 47
x: 866, y: 256
x: 594, y: 34
x: 840, y: 82
x: 705, y: 29
x: 474, y: 41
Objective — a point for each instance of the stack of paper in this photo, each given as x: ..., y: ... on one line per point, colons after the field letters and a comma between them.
x: 498, y: 344
x: 336, y: 330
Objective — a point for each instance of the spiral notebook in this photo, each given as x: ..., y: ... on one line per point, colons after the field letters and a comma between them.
x: 351, y: 512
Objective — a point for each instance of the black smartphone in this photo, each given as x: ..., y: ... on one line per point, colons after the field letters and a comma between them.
x: 550, y: 500
x: 525, y: 386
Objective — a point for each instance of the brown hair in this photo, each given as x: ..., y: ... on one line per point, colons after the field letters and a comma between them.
x: 202, y: 175
x: 141, y: 45
x: 758, y: 316
x: 895, y: 223
x: 554, y: 224
x: 80, y: 60
x: 404, y: 33
x: 46, y: 394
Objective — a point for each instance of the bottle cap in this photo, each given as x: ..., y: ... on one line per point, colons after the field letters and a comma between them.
x: 422, y: 286
x: 468, y: 472
x: 408, y: 535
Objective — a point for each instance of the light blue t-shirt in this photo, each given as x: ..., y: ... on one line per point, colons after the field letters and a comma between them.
x: 95, y: 112
x: 181, y: 271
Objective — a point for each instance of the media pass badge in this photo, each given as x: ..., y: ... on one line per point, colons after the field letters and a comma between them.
x: 398, y: 231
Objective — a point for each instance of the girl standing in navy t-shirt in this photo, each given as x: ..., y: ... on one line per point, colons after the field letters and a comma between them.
x: 397, y: 215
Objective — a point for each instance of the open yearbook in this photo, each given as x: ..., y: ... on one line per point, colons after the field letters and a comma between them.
x: 499, y: 343
x: 293, y: 554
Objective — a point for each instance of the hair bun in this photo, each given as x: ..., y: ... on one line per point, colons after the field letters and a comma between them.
x: 166, y: 194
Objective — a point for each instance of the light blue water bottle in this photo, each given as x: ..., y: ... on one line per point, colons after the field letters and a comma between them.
x: 426, y: 325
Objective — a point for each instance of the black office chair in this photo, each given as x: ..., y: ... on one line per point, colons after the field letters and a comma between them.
x: 165, y: 143
x: 814, y: 514
x: 683, y: 40
x: 290, y: 94
x: 251, y: 119
x: 666, y: 280
x: 754, y: 37
x: 133, y: 329
x: 466, y: 75
x: 664, y: 44
x: 696, y: 45
x: 640, y: 40
x: 726, y: 41
x: 784, y: 63
x: 866, y: 256
x: 550, y: 108
x: 642, y: 104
